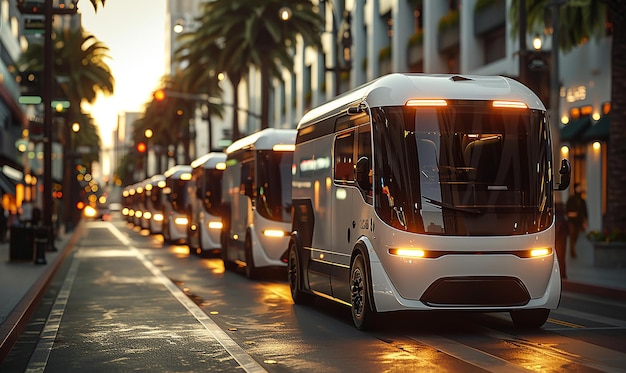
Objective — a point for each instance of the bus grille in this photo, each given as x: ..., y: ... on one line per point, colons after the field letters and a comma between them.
x: 476, y: 291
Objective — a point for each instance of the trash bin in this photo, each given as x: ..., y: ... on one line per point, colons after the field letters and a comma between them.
x: 22, y: 243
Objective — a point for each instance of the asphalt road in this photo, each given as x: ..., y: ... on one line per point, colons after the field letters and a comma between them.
x: 123, y: 301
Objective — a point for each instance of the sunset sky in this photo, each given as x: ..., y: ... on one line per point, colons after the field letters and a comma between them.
x: 134, y: 32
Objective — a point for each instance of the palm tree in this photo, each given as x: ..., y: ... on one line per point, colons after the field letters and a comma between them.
x: 251, y: 34
x: 579, y: 24
x: 80, y: 69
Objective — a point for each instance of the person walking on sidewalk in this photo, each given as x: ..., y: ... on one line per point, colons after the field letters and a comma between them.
x: 576, y: 216
x: 561, y: 235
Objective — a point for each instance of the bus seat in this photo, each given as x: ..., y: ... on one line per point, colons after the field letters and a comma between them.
x: 344, y: 171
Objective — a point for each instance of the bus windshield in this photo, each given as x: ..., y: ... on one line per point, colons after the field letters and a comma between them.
x: 462, y: 170
x: 178, y: 195
x: 274, y: 184
x: 212, y: 198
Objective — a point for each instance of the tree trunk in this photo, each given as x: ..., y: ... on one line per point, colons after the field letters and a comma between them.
x: 265, y: 91
x: 616, y: 183
x: 234, y: 80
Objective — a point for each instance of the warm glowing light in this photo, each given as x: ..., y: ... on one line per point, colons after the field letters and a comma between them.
x: 426, y: 102
x: 220, y: 166
x: 273, y: 233
x: 157, y: 217
x: 161, y: 184
x: 181, y: 221
x: 596, y: 145
x: 215, y: 225
x: 90, y: 212
x: 147, y: 215
x: 410, y: 253
x: 564, y: 150
x: 537, y: 43
x: 285, y: 13
x: 564, y: 119
x: 595, y: 116
x: 540, y: 252
x: 138, y: 214
x: 125, y: 211
x: 284, y: 147
x: 185, y: 176
x: 510, y: 104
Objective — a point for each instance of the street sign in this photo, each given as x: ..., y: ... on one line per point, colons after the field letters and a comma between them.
x: 34, y: 24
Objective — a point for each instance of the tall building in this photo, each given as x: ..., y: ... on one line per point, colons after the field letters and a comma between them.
x: 445, y: 36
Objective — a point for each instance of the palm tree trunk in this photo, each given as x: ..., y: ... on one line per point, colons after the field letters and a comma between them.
x: 234, y: 80
x: 616, y: 190
x: 265, y: 91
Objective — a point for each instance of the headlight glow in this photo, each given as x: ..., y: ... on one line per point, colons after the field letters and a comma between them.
x: 409, y: 253
x: 181, y: 221
x: 157, y: 217
x: 215, y: 225
x: 273, y: 233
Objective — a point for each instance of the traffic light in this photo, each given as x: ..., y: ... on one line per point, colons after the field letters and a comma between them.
x: 141, y: 147
x: 159, y: 95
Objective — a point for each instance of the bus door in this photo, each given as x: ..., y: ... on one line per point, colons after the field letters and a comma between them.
x: 358, y: 220
x: 243, y: 202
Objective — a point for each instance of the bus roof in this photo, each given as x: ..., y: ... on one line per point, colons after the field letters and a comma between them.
x: 397, y: 89
x: 264, y: 140
x: 209, y: 160
x: 177, y: 170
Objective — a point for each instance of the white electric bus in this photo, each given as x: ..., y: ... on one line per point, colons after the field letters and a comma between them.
x: 427, y: 192
x: 175, y: 201
x: 205, y: 202
x: 256, y: 194
x: 153, y: 203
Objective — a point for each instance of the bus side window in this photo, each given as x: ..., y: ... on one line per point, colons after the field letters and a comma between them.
x: 344, y: 158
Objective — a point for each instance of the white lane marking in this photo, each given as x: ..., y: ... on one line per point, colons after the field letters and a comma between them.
x: 39, y: 359
x: 569, y: 349
x: 469, y: 354
x: 238, y: 353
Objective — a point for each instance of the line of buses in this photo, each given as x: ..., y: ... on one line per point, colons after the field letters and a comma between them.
x: 411, y: 192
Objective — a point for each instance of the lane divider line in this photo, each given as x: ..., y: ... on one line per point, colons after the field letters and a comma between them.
x: 39, y: 358
x: 239, y: 354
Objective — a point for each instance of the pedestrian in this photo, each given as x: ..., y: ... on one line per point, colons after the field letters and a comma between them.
x: 576, y: 216
x: 562, y: 232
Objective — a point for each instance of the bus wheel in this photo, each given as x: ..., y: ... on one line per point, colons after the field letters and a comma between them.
x: 295, y: 277
x: 530, y: 319
x: 362, y: 315
x: 167, y: 237
x: 228, y: 265
x: 251, y: 270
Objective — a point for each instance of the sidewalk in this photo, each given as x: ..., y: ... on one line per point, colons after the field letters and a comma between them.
x: 22, y: 283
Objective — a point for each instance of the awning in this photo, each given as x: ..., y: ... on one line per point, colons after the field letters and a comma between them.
x: 6, y: 185
x: 598, y: 130
x: 573, y: 130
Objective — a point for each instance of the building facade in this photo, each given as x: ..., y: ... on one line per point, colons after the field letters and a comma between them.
x: 443, y: 36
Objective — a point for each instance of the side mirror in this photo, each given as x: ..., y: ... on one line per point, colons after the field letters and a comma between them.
x: 362, y: 173
x: 566, y: 175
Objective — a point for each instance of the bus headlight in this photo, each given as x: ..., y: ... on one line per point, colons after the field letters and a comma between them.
x: 181, y: 221
x: 215, y: 225
x: 274, y: 233
x: 408, y: 253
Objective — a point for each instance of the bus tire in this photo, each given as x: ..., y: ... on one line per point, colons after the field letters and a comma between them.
x: 362, y: 314
x: 295, y: 276
x: 251, y: 270
x: 530, y: 319
x: 228, y: 265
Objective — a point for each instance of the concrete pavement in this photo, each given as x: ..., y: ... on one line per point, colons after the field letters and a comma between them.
x: 23, y: 283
